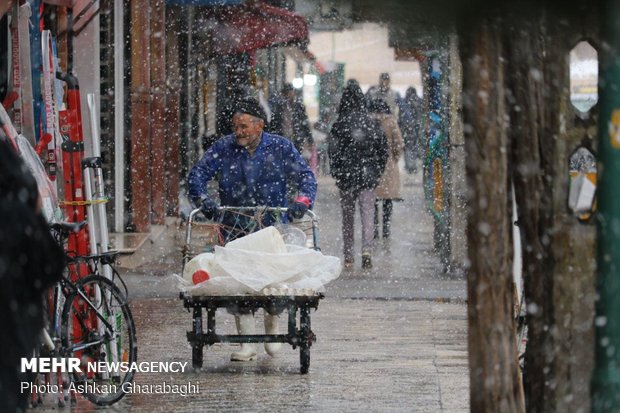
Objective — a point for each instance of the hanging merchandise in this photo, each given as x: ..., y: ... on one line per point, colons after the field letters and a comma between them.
x: 98, y: 197
x: 87, y: 164
x: 7, y: 127
x: 36, y: 63
x: 97, y: 220
x: 72, y: 154
x: 57, y: 86
x: 25, y: 73
x: 50, y: 134
x: 47, y: 191
x: 5, y: 60
x: 15, y: 90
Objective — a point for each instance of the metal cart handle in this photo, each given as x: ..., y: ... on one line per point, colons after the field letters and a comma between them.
x: 190, y: 220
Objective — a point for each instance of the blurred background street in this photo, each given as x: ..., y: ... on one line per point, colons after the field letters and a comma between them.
x: 390, y: 339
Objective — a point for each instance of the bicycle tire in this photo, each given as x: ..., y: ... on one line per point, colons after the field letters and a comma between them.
x: 78, y: 328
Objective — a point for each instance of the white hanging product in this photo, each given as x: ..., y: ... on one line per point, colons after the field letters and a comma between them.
x: 25, y: 74
x: 90, y: 213
x: 100, y: 199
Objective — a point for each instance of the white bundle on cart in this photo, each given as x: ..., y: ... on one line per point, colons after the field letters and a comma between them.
x: 259, y: 263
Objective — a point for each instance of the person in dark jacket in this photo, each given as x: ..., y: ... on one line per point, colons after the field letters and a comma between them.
x: 253, y: 168
x: 384, y: 92
x: 30, y: 262
x: 409, y: 121
x: 289, y: 119
x: 358, y: 153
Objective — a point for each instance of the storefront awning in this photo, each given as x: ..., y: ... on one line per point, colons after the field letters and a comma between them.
x: 303, y: 55
x: 255, y: 25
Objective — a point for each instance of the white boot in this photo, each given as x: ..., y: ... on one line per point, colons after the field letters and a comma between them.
x: 245, y: 325
x: 271, y: 327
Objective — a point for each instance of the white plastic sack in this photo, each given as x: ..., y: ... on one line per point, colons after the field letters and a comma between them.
x: 265, y: 240
x: 259, y: 262
x: 292, y: 235
x: 219, y: 283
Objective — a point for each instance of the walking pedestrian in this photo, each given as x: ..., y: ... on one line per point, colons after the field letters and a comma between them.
x: 358, y: 154
x: 30, y: 262
x: 409, y: 121
x: 388, y: 189
x: 254, y: 168
x: 290, y: 119
x: 384, y: 92
x: 320, y: 133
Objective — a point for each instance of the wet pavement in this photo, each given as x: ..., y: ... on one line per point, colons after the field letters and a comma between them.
x: 390, y: 339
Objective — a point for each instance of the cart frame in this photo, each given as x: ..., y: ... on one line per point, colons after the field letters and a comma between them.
x: 298, y: 335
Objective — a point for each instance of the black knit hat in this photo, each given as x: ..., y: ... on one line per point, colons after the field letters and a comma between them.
x: 251, y: 107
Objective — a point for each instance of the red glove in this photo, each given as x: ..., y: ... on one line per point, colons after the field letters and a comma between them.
x: 298, y: 208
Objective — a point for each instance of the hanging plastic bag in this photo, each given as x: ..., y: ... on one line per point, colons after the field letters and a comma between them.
x: 47, y: 190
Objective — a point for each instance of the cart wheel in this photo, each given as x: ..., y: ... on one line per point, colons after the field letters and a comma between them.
x: 304, y: 358
x: 197, y: 356
x: 306, y: 339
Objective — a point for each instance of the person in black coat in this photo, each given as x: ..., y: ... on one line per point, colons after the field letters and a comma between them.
x: 358, y: 153
x: 289, y: 119
x: 30, y: 262
x: 409, y: 121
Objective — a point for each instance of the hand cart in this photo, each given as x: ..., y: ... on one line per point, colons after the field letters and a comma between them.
x: 298, y: 335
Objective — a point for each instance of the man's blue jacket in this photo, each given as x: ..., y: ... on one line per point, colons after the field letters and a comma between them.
x: 252, y: 180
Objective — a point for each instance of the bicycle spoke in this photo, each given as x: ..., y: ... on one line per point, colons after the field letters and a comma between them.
x: 99, y: 329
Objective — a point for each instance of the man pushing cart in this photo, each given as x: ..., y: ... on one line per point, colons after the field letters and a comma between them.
x: 253, y: 169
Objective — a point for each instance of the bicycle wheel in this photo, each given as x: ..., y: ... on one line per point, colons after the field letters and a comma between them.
x: 97, y: 326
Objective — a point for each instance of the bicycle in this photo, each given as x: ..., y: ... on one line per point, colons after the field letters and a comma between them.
x: 90, y: 320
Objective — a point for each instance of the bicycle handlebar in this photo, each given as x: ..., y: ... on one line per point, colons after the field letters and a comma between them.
x: 190, y: 220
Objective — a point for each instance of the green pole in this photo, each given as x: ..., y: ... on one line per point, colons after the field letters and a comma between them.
x: 606, y: 377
